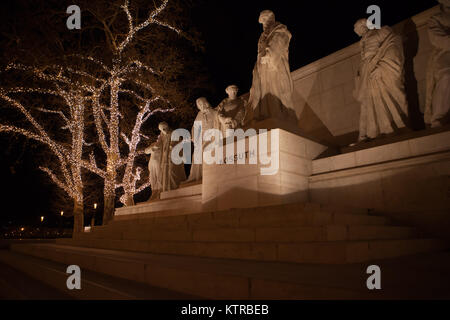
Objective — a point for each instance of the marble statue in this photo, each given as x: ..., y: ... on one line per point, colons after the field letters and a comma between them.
x: 154, y: 170
x: 437, y: 104
x: 206, y: 119
x: 164, y: 174
x: 379, y: 86
x: 231, y: 111
x: 272, y: 86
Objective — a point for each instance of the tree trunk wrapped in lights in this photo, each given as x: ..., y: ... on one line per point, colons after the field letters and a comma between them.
x: 123, y: 71
x: 69, y: 158
x: 111, y: 94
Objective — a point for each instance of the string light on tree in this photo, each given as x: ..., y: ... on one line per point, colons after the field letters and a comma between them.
x: 78, y: 90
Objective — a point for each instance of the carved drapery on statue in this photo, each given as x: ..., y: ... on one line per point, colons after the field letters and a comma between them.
x: 437, y: 104
x: 380, y: 83
x: 163, y: 173
x: 231, y: 111
x: 230, y: 114
x: 272, y: 85
x: 154, y: 169
x: 206, y: 119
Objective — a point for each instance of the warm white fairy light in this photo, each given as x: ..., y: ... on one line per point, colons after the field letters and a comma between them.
x: 89, y: 89
x: 107, y: 125
x: 132, y: 29
x: 69, y: 158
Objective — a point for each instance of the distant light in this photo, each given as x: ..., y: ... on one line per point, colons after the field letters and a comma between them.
x: 42, y: 218
x: 62, y: 213
x: 95, y: 206
x: 22, y: 229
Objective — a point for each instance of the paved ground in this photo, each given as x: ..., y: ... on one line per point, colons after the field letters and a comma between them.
x: 425, y: 276
x: 15, y: 285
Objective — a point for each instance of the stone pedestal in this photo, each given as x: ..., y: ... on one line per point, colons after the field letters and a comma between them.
x: 234, y: 185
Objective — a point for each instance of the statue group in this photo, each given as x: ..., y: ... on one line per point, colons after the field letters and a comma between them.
x: 379, y: 89
x: 379, y: 85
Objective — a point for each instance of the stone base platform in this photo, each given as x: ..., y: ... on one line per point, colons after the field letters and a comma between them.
x: 184, y: 200
x: 298, y: 233
x: 407, y: 180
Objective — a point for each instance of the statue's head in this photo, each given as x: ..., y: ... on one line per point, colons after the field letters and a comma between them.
x: 360, y: 27
x: 164, y: 127
x: 232, y: 91
x: 266, y: 18
x: 202, y: 104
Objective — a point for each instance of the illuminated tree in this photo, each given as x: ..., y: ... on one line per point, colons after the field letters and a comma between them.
x: 126, y: 76
x: 117, y: 79
x: 70, y: 108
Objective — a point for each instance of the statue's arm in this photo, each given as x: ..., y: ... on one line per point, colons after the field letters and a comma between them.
x: 220, y: 112
x: 391, y: 60
x: 439, y: 38
x: 279, y: 43
x: 152, y: 148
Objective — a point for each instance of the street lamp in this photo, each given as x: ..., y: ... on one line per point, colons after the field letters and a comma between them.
x: 93, y: 216
x: 42, y: 218
x: 62, y: 213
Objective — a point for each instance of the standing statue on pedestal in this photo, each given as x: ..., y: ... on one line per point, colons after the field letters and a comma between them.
x: 206, y: 119
x: 379, y: 83
x: 272, y: 86
x: 163, y: 173
x: 231, y: 111
x: 437, y: 105
x: 154, y: 170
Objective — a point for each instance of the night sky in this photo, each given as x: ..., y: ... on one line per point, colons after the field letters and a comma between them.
x: 230, y: 32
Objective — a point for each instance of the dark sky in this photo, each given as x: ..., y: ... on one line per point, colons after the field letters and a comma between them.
x: 230, y: 30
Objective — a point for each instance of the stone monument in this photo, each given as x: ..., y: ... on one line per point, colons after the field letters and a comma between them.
x: 379, y: 86
x: 272, y: 85
x: 154, y: 169
x: 438, y: 76
x: 164, y: 174
x: 231, y: 111
x: 206, y: 119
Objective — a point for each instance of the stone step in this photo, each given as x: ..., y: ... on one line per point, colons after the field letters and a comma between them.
x: 252, y: 217
x: 184, y: 205
x: 93, y: 285
x: 261, y: 234
x: 208, y: 278
x: 297, y: 234
x: 236, y: 279
x: 181, y: 226
x: 293, y: 208
x: 183, y: 191
x: 329, y: 252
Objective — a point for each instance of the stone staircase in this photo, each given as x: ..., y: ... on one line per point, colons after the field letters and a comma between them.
x: 290, y: 251
x: 298, y: 233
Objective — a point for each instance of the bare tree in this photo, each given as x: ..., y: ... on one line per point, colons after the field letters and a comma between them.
x: 70, y: 109
x: 128, y: 76
x: 122, y: 71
